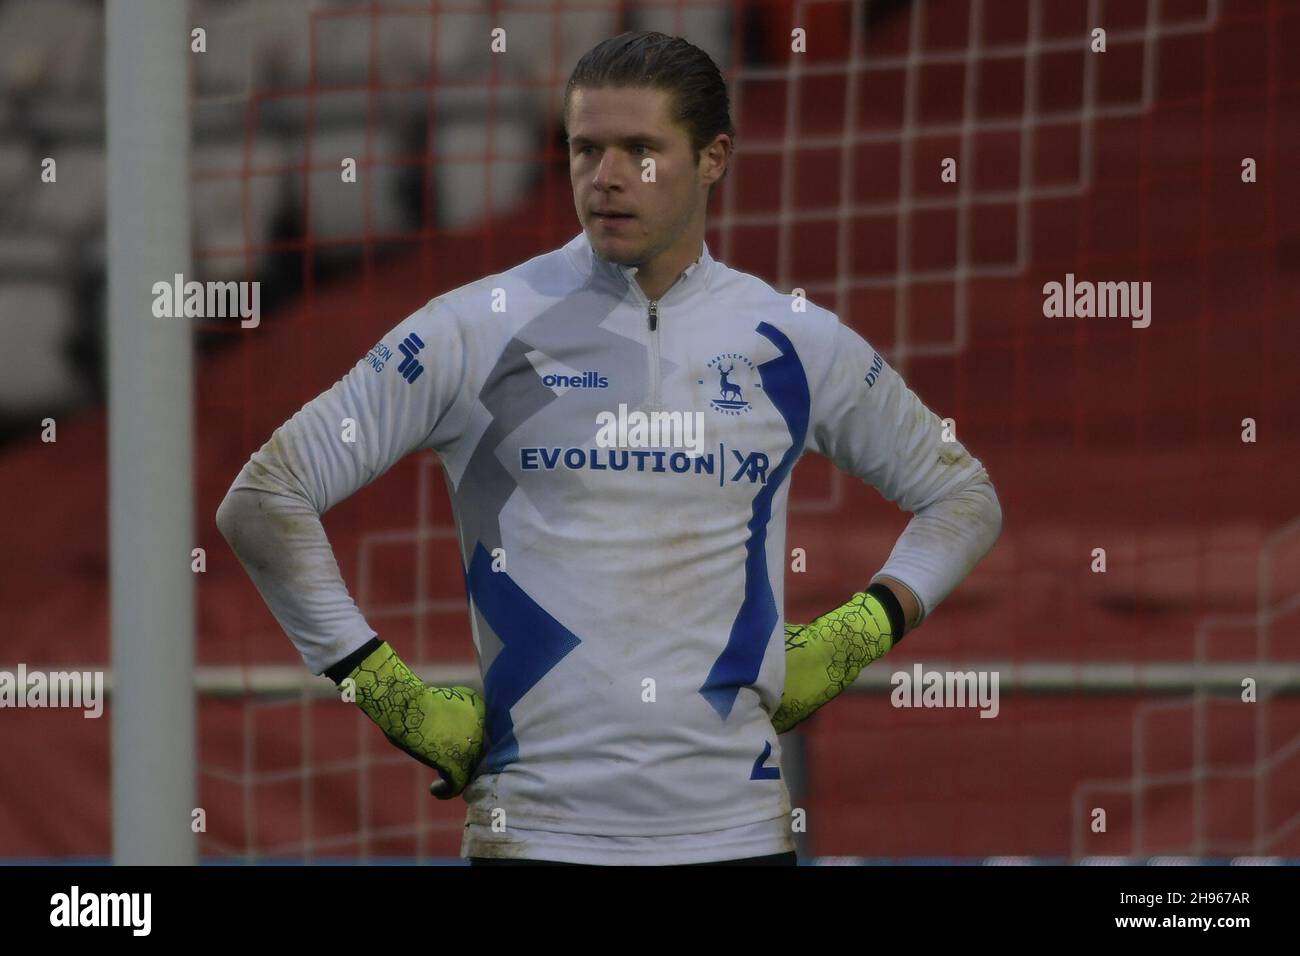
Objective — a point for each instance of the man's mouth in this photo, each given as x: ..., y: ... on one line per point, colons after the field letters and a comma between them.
x: 613, y: 215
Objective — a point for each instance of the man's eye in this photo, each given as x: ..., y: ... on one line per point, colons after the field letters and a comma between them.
x: 641, y: 146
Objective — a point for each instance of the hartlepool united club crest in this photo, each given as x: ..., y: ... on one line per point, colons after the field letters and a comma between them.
x: 733, y: 376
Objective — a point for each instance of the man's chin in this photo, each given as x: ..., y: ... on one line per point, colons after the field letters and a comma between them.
x: 616, y: 252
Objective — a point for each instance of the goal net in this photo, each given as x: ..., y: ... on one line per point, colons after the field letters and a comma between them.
x: 924, y: 169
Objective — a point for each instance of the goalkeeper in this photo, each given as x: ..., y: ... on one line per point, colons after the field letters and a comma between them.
x: 617, y: 421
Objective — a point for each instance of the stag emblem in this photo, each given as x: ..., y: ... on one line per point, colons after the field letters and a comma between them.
x: 730, y: 400
x: 728, y: 388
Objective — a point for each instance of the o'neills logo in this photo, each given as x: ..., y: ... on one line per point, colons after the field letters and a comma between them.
x: 585, y: 380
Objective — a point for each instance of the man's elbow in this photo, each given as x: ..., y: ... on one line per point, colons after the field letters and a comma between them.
x: 990, y: 513
x: 975, y: 510
x: 236, y: 510
x: 242, y: 520
x: 995, y: 512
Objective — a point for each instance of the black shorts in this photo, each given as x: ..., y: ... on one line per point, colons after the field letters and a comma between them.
x: 776, y: 859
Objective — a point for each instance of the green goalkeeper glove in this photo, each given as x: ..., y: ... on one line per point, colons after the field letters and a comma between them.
x: 442, y: 727
x: 826, y: 656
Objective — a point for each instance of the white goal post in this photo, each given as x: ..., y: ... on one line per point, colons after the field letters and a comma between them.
x: 150, y: 434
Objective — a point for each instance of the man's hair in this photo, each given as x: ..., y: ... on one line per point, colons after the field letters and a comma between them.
x: 644, y: 58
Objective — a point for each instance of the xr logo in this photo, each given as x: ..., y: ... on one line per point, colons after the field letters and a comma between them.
x: 753, y: 466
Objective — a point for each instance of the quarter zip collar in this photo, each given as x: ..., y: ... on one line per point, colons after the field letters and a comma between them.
x: 693, y: 278
x: 629, y: 273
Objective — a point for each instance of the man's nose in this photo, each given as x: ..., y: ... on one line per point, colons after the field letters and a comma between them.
x: 608, y: 172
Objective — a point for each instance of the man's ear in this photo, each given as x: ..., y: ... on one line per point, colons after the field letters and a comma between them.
x: 721, y: 149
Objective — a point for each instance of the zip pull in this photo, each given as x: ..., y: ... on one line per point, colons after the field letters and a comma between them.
x: 654, y: 315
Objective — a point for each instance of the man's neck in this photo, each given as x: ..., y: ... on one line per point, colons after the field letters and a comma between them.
x: 655, y: 279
